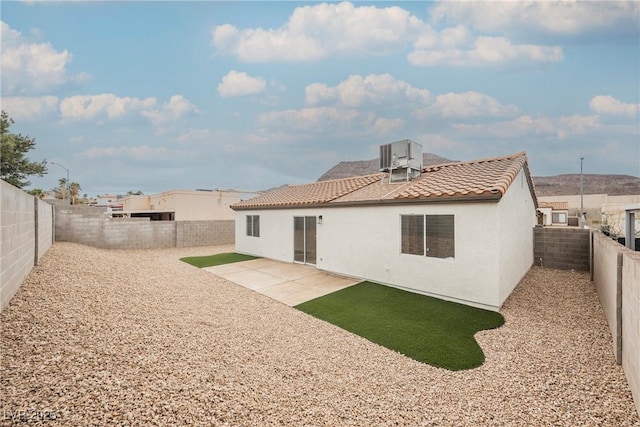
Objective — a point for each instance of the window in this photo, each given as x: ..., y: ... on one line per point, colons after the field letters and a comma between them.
x: 428, y: 235
x: 558, y: 218
x: 253, y: 225
x: 440, y: 236
x: 412, y: 234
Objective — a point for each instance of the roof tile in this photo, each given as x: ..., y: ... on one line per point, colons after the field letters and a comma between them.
x: 484, y: 177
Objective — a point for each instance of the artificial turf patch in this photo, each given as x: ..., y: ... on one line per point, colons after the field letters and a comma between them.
x: 427, y: 329
x: 218, y: 259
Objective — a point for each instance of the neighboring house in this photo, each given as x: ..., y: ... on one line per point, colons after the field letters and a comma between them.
x: 553, y: 213
x: 184, y: 205
x: 458, y: 231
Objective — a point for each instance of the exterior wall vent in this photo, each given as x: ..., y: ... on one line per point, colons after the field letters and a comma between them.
x: 401, y: 159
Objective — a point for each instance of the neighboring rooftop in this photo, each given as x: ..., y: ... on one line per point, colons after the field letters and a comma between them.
x: 556, y: 206
x: 477, y: 179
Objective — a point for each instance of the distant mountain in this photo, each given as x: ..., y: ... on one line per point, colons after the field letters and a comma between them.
x: 565, y: 185
x: 367, y: 167
x: 559, y: 185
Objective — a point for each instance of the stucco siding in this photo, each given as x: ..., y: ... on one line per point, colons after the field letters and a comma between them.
x: 365, y: 242
x: 516, y: 219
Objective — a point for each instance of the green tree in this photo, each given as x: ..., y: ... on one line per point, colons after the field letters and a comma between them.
x: 14, y: 165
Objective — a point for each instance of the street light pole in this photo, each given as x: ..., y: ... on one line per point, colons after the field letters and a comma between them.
x: 581, y: 195
x: 68, y: 183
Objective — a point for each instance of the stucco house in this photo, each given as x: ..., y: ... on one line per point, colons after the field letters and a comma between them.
x: 553, y: 213
x: 184, y: 205
x: 458, y: 231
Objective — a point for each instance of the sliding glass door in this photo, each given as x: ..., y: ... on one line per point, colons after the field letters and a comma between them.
x: 304, y: 239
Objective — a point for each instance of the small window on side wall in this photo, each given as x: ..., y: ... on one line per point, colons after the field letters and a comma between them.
x: 253, y: 225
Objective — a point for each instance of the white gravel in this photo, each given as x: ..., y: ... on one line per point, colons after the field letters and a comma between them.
x: 99, y: 337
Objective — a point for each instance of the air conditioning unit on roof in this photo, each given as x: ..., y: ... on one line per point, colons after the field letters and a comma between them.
x: 402, y: 159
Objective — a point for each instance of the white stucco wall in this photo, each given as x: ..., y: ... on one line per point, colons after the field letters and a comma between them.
x: 365, y: 242
x: 516, y: 216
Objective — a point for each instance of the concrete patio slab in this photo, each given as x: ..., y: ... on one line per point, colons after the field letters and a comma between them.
x: 258, y: 263
x: 234, y: 267
x: 291, y: 271
x: 253, y: 279
x: 291, y: 284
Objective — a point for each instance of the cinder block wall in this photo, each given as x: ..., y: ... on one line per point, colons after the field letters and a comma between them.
x: 607, y: 263
x: 44, y: 226
x: 136, y: 233
x: 23, y: 239
x: 204, y: 233
x: 91, y: 227
x: 562, y: 248
x: 631, y: 322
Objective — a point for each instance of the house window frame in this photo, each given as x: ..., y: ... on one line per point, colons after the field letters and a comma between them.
x: 561, y: 216
x: 408, y: 248
x: 253, y: 225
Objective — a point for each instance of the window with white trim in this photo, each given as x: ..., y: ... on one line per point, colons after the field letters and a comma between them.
x: 253, y: 225
x: 428, y: 235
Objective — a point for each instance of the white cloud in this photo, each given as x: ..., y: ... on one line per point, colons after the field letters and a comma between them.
x: 522, y: 126
x: 177, y: 108
x: 605, y: 104
x: 466, y: 104
x: 240, y: 84
x: 384, y: 126
x: 29, y: 108
x: 486, y: 51
x: 434, y: 143
x: 29, y: 68
x: 374, y: 89
x: 314, y: 32
x: 85, y: 107
x: 555, y: 17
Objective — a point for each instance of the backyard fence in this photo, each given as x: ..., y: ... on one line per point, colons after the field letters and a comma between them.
x: 563, y: 248
x: 616, y: 276
x: 90, y: 226
x: 26, y: 232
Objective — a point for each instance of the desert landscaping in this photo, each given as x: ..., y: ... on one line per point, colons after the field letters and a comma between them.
x: 137, y: 337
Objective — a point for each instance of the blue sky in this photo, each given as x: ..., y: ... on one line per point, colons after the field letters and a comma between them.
x: 155, y: 96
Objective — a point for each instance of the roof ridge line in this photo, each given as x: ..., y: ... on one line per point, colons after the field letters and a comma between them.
x: 475, y: 161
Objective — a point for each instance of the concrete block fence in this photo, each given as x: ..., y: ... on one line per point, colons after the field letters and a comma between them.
x: 616, y: 276
x: 92, y: 227
x: 26, y: 233
x: 564, y: 248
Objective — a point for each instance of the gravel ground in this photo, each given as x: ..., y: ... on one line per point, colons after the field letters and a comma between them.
x: 98, y: 337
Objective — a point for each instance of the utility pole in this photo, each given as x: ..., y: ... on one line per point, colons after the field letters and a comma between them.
x: 581, y: 196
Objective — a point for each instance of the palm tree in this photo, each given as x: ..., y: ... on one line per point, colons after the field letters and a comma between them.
x: 74, y: 190
x: 61, y: 191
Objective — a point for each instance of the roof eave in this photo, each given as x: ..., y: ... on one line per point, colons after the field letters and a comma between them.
x: 386, y: 202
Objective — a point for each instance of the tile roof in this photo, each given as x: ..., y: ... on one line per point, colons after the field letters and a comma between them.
x: 309, y: 194
x: 556, y: 206
x: 484, y: 178
x: 479, y: 177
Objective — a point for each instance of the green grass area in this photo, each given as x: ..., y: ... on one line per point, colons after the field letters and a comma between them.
x: 218, y: 259
x: 426, y: 329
